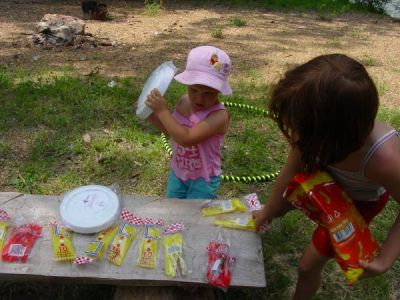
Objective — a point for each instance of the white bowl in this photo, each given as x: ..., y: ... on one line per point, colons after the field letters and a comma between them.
x: 90, y: 208
x: 159, y: 79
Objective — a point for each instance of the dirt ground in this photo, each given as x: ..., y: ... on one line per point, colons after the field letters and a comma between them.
x: 135, y: 43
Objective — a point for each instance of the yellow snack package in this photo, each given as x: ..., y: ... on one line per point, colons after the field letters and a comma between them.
x: 119, y: 247
x: 217, y: 207
x: 97, y: 247
x: 243, y: 222
x: 4, y: 220
x: 173, y: 250
x: 148, y: 247
x: 63, y: 249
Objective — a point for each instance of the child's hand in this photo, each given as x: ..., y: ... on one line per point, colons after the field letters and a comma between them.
x: 373, y: 268
x: 262, y: 222
x: 156, y: 102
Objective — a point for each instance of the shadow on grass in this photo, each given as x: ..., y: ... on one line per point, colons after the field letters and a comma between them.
x: 46, y: 291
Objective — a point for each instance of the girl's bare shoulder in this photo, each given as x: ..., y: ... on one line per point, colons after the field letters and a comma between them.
x: 385, y: 162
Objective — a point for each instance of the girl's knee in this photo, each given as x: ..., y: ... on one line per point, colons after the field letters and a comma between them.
x: 311, y: 270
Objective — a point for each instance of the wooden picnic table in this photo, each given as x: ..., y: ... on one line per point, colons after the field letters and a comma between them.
x: 199, y: 231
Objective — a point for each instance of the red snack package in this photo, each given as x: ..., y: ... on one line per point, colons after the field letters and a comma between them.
x: 323, y: 200
x: 21, y: 242
x: 220, y: 265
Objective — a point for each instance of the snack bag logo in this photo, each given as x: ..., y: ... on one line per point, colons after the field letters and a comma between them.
x: 215, y: 62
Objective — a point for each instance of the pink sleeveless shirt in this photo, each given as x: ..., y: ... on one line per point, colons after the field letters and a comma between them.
x: 202, y: 160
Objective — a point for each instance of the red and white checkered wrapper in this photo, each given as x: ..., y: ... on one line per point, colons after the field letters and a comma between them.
x: 150, y: 221
x: 82, y: 260
x: 159, y: 222
x: 172, y: 228
x: 136, y: 221
x: 252, y: 202
x: 127, y: 216
x: 4, y: 216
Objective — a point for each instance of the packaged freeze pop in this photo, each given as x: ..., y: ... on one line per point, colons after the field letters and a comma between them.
x: 63, y: 249
x: 22, y: 240
x: 4, y: 221
x: 217, y: 207
x: 127, y: 233
x: 220, y: 263
x: 323, y: 201
x: 148, y: 247
x: 173, y: 250
x: 100, y: 244
x: 245, y: 222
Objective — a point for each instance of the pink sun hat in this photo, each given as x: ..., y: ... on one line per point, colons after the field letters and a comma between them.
x: 209, y: 66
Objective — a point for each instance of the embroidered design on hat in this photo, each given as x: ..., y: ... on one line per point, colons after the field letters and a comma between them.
x: 215, y: 62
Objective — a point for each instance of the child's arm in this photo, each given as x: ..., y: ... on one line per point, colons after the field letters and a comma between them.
x: 215, y: 123
x: 384, y: 168
x: 153, y: 119
x: 276, y: 205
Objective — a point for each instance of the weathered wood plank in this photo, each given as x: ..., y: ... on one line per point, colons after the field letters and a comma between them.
x: 246, y: 246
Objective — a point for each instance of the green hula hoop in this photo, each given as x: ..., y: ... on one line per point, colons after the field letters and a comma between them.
x: 247, y: 179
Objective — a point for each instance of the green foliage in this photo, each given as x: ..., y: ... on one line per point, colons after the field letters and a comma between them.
x: 153, y: 7
x: 217, y: 32
x: 5, y: 80
x: 238, y: 22
x: 368, y: 61
x: 326, y: 8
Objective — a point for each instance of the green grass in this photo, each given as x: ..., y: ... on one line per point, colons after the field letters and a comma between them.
x: 217, y: 32
x: 369, y: 61
x: 153, y: 8
x: 327, y: 8
x: 238, y: 22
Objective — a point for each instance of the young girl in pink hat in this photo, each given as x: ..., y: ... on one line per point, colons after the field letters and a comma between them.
x: 197, y: 125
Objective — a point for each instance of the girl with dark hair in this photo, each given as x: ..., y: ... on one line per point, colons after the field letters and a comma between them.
x: 326, y: 108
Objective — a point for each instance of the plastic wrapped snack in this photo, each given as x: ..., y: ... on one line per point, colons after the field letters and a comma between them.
x: 248, y: 202
x: 99, y: 245
x: 323, y: 201
x: 22, y: 240
x: 63, y: 249
x: 148, y: 247
x: 217, y: 207
x: 4, y: 221
x: 220, y: 263
x: 127, y: 233
x: 173, y: 250
x: 243, y: 223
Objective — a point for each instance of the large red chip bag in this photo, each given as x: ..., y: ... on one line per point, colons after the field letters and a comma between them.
x: 323, y: 200
x: 21, y: 242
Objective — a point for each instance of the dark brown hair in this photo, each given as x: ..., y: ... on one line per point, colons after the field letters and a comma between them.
x: 326, y: 107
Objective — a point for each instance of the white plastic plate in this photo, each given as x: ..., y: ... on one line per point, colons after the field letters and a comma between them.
x: 90, y: 208
x: 159, y: 79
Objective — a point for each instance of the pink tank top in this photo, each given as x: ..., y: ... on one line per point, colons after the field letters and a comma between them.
x: 202, y: 160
